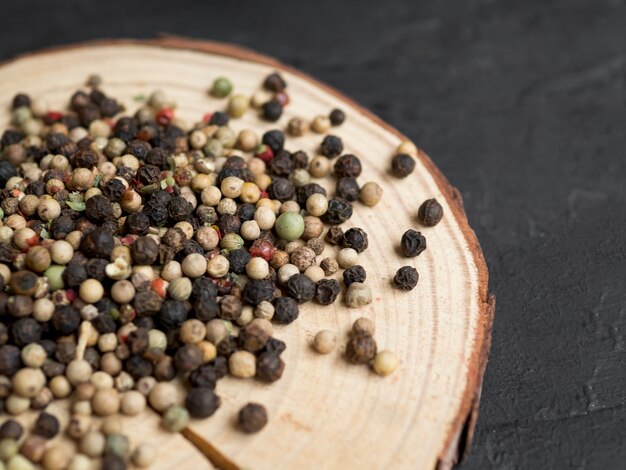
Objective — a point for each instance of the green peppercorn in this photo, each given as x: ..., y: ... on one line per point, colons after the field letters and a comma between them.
x: 290, y: 226
x: 222, y: 87
x: 175, y: 418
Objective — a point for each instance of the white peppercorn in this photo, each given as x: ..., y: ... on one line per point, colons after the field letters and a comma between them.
x: 347, y: 257
x: 242, y: 364
x: 325, y: 341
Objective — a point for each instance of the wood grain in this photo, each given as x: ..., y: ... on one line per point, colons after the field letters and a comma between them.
x: 323, y: 412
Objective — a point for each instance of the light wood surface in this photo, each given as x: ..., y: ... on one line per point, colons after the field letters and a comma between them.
x: 324, y: 412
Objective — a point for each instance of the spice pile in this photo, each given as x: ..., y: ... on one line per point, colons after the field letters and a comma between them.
x: 135, y: 250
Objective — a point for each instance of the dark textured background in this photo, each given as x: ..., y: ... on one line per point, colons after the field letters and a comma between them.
x: 522, y: 104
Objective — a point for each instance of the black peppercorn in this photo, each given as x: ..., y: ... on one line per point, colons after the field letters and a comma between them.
x: 206, y: 308
x: 353, y: 274
x: 332, y: 146
x: 304, y: 192
x: 66, y: 350
x: 356, y: 239
x: 402, y: 165
x: 59, y: 228
x: 204, y: 376
x: 26, y: 330
x: 337, y: 117
x: 253, y: 337
x: 347, y: 165
x: 412, y: 243
x: 230, y: 308
x: 281, y: 189
x: 138, y: 341
x: 188, y: 358
x: 347, y: 188
x: 104, y: 324
x: 164, y: 369
x: 4, y: 330
x: 275, y: 140
x: 137, y: 223
x: 430, y: 212
x: 326, y: 291
x: 138, y: 367
x: 281, y: 164
x: 53, y: 369
x: 97, y: 244
x: 21, y: 100
x: 172, y: 314
x: 227, y: 346
x: 10, y: 360
x: 339, y: 210
x: 238, y: 260
x: 96, y: 268
x: 114, y: 189
x: 147, y: 303
x: 219, y: 118
x: 112, y: 461
x: 74, y: 274
x: 144, y: 250
x: 286, y: 310
x: 229, y: 223
x: 274, y: 82
x: 203, y: 287
x: 156, y: 211
x: 272, y: 110
x: 300, y: 159
x: 148, y: 174
x: 46, y: 425
x: 269, y: 367
x: 406, y: 278
x: 11, y: 429
x: 66, y: 319
x: 256, y: 291
x: 301, y: 288
x: 202, y: 402
x: 179, y: 209
x: 252, y: 418
x: 361, y: 349
x: 10, y: 137
x: 275, y: 346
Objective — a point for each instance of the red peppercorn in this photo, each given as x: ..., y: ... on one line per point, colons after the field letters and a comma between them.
x: 262, y: 248
x: 165, y: 116
x: 264, y: 152
x: 207, y: 118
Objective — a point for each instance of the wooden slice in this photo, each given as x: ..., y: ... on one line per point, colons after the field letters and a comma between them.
x: 324, y: 412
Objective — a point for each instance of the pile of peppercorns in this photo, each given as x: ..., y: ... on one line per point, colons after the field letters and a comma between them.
x: 138, y: 249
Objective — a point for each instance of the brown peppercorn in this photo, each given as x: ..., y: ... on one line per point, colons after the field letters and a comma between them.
x: 334, y: 236
x: 33, y: 448
x: 269, y: 367
x: 252, y: 418
x: 430, y: 212
x: 188, y: 358
x: 230, y: 308
x: 361, y: 349
x: 329, y: 265
x: 144, y: 250
x: 279, y: 259
x: 302, y: 257
x: 317, y: 245
x: 255, y: 335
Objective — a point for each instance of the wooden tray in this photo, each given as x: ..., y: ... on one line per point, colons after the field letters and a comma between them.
x: 324, y: 413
